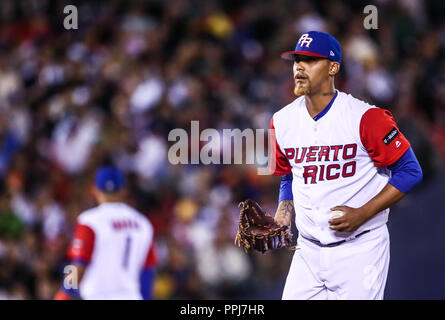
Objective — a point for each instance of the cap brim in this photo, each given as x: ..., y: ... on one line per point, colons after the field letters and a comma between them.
x: 290, y: 55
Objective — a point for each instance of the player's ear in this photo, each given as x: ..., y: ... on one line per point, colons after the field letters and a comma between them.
x: 94, y: 192
x: 334, y: 68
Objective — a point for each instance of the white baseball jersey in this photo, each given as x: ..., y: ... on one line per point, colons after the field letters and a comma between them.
x: 338, y: 158
x: 115, y: 242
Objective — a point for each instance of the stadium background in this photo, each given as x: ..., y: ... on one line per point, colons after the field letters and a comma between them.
x: 112, y: 90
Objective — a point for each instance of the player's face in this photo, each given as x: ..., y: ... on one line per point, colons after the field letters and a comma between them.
x: 309, y: 74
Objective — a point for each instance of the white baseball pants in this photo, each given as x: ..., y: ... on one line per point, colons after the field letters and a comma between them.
x: 353, y: 270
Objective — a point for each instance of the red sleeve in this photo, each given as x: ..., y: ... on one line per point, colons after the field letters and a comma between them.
x: 152, y: 257
x: 279, y: 164
x: 82, y: 245
x: 60, y: 295
x: 381, y: 137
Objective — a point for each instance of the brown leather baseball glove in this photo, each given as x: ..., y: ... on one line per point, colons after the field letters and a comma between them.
x: 257, y: 229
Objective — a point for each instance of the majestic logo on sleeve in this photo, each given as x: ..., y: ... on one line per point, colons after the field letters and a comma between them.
x: 305, y: 40
x: 332, y: 154
x: 391, y: 136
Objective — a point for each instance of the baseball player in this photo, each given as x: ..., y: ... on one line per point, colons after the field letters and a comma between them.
x: 112, y: 249
x: 343, y: 163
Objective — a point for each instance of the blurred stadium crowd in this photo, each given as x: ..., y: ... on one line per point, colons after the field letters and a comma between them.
x: 111, y: 91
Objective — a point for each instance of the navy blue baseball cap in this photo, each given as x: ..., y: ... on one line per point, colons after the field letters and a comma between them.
x: 109, y: 179
x: 316, y: 44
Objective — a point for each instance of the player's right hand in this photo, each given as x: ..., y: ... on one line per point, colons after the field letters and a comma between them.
x: 350, y: 221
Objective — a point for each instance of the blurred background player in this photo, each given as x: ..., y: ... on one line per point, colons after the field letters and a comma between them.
x: 113, y: 247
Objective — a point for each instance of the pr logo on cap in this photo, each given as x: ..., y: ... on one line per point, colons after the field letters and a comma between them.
x: 305, y: 40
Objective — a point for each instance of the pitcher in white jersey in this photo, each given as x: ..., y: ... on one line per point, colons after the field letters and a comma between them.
x: 343, y: 163
x: 113, y: 250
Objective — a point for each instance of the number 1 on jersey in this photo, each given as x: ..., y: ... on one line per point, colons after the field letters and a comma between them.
x: 126, y: 252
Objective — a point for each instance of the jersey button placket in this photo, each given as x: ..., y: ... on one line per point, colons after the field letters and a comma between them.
x: 322, y: 228
x: 324, y: 263
x: 315, y: 129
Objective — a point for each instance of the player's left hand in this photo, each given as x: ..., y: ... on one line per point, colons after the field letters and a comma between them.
x: 350, y: 221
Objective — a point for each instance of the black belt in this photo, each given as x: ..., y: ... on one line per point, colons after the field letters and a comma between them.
x: 334, y: 244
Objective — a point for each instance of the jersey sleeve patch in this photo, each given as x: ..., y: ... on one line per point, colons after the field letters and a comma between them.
x: 82, y: 245
x: 279, y: 164
x: 381, y: 137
